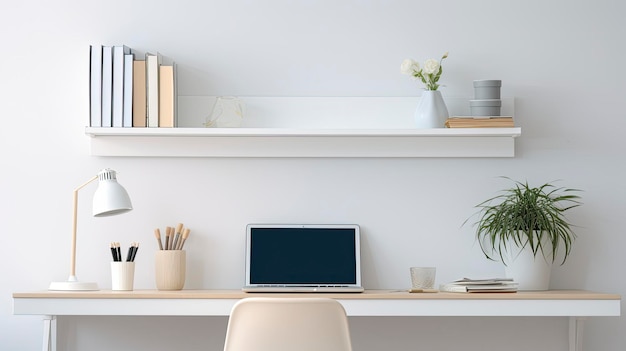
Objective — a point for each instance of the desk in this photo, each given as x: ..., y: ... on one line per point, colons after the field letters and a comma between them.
x: 566, y: 303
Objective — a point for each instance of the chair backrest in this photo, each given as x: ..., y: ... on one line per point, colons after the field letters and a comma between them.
x: 287, y: 324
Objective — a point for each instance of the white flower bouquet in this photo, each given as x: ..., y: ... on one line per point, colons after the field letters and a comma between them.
x: 429, y: 74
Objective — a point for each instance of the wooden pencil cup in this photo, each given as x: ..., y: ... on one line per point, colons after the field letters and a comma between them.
x: 170, y: 266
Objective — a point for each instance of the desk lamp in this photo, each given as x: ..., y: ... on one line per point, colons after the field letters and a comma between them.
x: 109, y: 199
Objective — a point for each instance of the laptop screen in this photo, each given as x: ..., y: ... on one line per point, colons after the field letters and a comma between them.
x: 303, y: 255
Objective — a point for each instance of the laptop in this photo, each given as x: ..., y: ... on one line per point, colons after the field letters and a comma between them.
x: 303, y: 258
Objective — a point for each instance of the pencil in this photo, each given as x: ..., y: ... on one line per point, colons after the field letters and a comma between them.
x: 134, y: 252
x: 113, y: 251
x: 129, y: 254
x: 119, y: 251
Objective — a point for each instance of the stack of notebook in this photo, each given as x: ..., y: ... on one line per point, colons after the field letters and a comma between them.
x: 480, y: 285
x: 480, y: 122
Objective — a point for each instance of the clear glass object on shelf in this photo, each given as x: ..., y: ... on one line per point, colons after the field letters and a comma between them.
x: 227, y: 113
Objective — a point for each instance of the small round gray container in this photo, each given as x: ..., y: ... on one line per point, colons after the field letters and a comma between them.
x: 487, y: 89
x: 485, y: 107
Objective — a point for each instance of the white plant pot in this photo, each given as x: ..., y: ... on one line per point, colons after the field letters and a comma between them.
x: 529, y: 271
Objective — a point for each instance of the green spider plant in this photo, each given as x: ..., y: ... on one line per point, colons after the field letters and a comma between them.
x: 524, y: 216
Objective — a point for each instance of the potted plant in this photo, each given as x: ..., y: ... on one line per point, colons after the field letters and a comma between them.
x: 525, y: 227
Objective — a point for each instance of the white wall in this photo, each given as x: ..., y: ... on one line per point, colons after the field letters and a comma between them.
x: 563, y: 61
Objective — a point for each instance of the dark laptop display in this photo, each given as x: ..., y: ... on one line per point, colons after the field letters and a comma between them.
x: 303, y: 258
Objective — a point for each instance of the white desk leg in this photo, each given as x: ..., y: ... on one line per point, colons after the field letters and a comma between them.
x: 49, y: 331
x: 576, y: 325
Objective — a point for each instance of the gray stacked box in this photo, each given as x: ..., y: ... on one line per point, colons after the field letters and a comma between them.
x: 486, y: 98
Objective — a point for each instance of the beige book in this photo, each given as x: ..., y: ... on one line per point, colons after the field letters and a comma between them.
x: 139, y: 93
x: 166, y: 97
x: 480, y: 122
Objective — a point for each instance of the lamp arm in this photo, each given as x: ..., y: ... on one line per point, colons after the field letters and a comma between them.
x: 74, y: 225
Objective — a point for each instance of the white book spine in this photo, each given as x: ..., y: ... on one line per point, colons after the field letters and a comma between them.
x: 118, y: 85
x: 95, y: 86
x: 107, y: 85
x: 127, y: 120
x: 152, y: 90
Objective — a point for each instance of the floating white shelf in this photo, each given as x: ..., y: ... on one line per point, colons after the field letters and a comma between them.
x: 309, y: 127
x: 289, y: 142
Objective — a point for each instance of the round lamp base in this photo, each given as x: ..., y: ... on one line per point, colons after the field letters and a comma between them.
x: 73, y: 286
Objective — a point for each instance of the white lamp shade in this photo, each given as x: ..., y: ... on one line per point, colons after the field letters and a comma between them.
x: 110, y: 198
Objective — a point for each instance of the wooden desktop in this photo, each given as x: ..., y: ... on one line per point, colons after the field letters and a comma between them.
x: 574, y: 304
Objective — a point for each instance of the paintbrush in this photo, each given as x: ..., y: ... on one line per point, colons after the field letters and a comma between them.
x: 168, y: 230
x: 179, y: 228
x: 185, y: 236
x: 157, y: 235
x: 172, y: 233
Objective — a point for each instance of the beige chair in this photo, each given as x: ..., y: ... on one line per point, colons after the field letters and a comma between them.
x: 287, y: 324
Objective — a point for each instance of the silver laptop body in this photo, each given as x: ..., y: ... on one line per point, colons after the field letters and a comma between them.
x: 303, y: 258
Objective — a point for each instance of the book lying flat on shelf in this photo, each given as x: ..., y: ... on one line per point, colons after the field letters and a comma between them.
x: 480, y: 285
x: 480, y: 122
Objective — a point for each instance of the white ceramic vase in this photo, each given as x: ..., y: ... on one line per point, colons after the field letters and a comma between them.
x: 531, y: 272
x: 431, y: 111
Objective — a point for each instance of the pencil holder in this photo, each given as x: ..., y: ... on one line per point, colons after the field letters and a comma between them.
x: 122, y: 275
x: 170, y: 266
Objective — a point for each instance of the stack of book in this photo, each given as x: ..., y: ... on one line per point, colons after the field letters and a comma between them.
x: 130, y: 89
x: 480, y: 285
x: 480, y: 122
